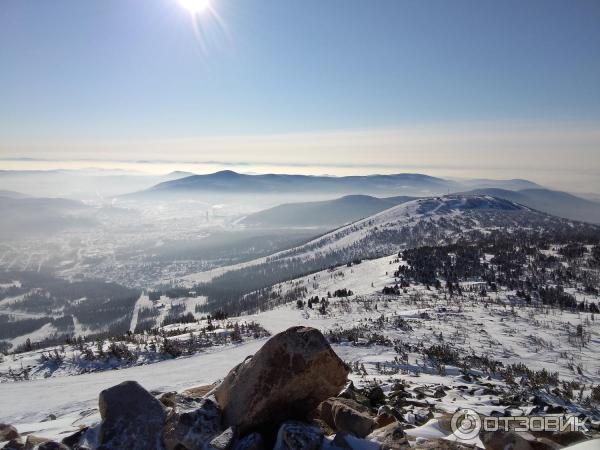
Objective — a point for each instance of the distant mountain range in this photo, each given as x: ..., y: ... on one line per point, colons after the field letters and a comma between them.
x: 228, y: 182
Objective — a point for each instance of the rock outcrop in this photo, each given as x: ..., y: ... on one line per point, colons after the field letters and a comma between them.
x: 131, y: 418
x: 286, y: 379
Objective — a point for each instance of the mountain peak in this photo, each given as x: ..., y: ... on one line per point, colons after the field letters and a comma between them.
x: 226, y: 173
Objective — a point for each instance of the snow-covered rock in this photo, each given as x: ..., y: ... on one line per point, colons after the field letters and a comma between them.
x: 287, y: 378
x: 131, y: 418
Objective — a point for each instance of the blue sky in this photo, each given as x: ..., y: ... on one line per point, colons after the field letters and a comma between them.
x: 75, y: 74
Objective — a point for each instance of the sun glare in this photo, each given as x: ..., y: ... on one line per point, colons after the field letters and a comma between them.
x: 195, y: 6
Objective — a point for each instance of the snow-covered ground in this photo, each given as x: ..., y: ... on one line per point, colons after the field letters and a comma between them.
x: 33, y: 401
x: 493, y: 326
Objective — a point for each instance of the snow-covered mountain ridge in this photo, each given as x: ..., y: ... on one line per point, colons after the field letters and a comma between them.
x: 425, y: 221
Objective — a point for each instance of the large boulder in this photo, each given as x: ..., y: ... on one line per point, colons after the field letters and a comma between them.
x: 287, y: 378
x: 131, y: 418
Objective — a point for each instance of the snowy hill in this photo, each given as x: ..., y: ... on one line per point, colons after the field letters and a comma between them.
x: 424, y: 221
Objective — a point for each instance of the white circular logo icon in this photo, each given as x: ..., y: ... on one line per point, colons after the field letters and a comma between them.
x: 465, y: 424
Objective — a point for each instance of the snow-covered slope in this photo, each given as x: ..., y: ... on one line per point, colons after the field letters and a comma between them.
x: 446, y: 214
x: 391, y: 335
x: 425, y: 221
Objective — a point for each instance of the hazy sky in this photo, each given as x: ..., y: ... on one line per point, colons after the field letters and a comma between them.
x: 458, y: 88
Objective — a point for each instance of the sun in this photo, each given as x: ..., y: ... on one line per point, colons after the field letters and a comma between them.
x: 195, y: 6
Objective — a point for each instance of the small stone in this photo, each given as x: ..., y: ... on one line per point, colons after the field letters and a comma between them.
x: 384, y: 420
x: 8, y: 432
x: 345, y: 441
x: 49, y: 418
x: 294, y: 435
x: 445, y: 422
x: 439, y: 392
x: 224, y: 441
x: 390, y: 437
x: 346, y: 415
x: 168, y: 399
x: 193, y: 429
x: 39, y: 443
x: 51, y: 445
x: 502, y: 440
x: 351, y: 393
x: 443, y: 444
x: 568, y: 437
x: 352, y: 421
x: 14, y: 444
x: 199, y: 391
x: 384, y: 417
x: 253, y: 441
x: 75, y: 438
x: 375, y: 395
